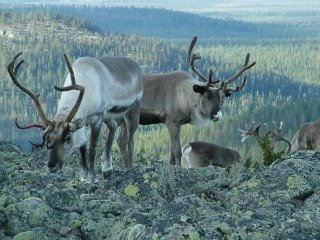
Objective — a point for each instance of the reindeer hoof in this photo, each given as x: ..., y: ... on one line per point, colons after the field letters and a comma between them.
x: 83, y: 176
x: 91, y: 178
x: 106, y: 175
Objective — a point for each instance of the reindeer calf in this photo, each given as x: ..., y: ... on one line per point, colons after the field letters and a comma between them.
x: 203, y: 154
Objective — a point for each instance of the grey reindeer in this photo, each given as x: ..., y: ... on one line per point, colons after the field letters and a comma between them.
x: 96, y: 91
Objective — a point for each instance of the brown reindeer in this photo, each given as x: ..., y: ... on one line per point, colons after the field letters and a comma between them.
x: 307, y: 137
x: 107, y: 88
x: 203, y: 154
x: 176, y: 98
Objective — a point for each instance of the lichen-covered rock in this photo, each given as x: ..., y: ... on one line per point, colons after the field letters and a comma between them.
x: 27, y: 214
x: 30, y: 235
x: 160, y: 201
x: 3, y: 176
x: 3, y: 218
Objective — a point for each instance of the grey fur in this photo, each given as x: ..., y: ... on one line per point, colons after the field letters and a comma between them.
x: 113, y: 89
x: 203, y: 154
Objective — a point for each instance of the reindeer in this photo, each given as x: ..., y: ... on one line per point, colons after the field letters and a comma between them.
x: 307, y: 137
x: 176, y: 98
x: 202, y: 154
x: 107, y: 88
x: 267, y: 140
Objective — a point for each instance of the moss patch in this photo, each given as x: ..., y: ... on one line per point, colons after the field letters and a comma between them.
x: 131, y: 191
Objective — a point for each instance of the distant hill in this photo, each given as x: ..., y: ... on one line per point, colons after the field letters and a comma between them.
x: 168, y: 23
x: 173, y: 24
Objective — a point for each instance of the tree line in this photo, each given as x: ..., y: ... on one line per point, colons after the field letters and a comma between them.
x: 285, y: 76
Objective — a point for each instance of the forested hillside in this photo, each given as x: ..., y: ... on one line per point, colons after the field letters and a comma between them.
x: 283, y: 86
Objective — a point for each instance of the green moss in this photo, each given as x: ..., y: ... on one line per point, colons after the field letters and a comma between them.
x: 299, y: 187
x: 246, y: 215
x: 193, y: 235
x: 154, y: 236
x: 131, y: 191
x: 257, y: 235
x: 30, y: 235
x: 253, y: 183
x: 26, y: 195
x: 154, y: 185
x: 75, y: 224
x: 27, y: 214
x: 39, y: 215
x: 71, y: 184
x: 294, y: 182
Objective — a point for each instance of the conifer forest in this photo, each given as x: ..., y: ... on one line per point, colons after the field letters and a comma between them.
x: 283, y: 86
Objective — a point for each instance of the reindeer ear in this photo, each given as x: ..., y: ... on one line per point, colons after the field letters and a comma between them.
x: 199, y: 89
x: 76, y: 124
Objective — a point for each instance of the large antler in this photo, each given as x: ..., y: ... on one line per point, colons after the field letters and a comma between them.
x: 12, y: 70
x: 36, y: 125
x: 277, y: 135
x: 73, y: 86
x: 245, y: 67
x: 267, y: 140
x: 251, y: 131
x: 223, y: 85
x: 192, y: 57
x: 272, y: 135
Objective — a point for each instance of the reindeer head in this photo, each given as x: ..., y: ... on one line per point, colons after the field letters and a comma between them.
x: 58, y: 135
x: 213, y: 91
x: 267, y: 141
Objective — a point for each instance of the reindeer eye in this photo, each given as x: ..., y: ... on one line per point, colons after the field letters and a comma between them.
x: 67, y: 138
x: 228, y: 93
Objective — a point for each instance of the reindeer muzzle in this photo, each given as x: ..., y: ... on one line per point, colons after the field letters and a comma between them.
x: 217, y: 117
x: 54, y: 165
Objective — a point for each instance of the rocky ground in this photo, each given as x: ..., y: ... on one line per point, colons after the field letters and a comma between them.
x: 159, y: 201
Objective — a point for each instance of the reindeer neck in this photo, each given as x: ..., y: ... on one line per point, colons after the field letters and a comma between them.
x: 66, y: 104
x: 60, y: 116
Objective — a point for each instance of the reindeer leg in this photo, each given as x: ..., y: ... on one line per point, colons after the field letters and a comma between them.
x: 128, y: 127
x: 172, y: 158
x: 106, y: 159
x: 84, y: 164
x: 123, y: 143
x: 174, y: 132
x: 94, y: 138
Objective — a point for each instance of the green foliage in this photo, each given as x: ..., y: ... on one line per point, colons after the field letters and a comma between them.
x: 269, y: 156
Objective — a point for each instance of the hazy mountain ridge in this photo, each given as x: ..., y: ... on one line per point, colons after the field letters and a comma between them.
x: 168, y: 23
